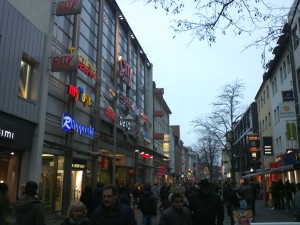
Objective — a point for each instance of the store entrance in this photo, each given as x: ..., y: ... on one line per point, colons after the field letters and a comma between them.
x: 9, y: 171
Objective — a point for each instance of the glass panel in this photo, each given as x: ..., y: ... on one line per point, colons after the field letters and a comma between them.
x: 46, y: 184
x: 9, y: 171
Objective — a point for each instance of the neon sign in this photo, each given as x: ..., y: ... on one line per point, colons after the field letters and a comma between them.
x: 85, y: 66
x: 125, y: 72
x: 78, y: 94
x: 109, y: 113
x: 126, y: 101
x: 69, y: 124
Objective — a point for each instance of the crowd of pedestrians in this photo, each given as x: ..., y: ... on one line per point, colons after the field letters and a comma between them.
x: 180, y: 204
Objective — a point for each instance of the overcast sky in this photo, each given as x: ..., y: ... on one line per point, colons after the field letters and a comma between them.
x: 191, y: 73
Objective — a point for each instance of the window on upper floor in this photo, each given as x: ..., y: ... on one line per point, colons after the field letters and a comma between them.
x: 28, y: 81
x: 284, y: 70
x: 275, y: 113
x: 281, y: 75
x: 295, y: 38
x: 269, y: 118
x: 266, y: 119
x: 273, y: 88
x: 267, y: 92
x: 263, y: 125
x: 264, y: 97
x: 288, y: 62
x: 275, y: 84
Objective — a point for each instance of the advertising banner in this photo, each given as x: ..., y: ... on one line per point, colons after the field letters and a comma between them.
x: 68, y: 7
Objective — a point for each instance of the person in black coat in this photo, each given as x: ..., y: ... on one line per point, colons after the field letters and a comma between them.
x: 206, y: 207
x: 87, y: 198
x: 111, y: 211
x: 147, y: 205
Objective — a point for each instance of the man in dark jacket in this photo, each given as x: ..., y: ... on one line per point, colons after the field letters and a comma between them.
x: 111, y: 211
x: 206, y: 207
x: 147, y: 205
x: 29, y: 209
x: 176, y: 214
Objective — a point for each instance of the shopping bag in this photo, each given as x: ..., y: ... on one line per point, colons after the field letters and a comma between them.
x: 242, y: 217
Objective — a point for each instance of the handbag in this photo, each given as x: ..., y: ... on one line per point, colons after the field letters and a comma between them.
x: 243, y: 204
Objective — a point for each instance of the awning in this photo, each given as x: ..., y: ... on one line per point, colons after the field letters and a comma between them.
x: 270, y: 171
x: 281, y: 169
x: 149, y: 151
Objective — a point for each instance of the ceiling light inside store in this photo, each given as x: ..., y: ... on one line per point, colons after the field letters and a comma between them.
x: 12, y: 153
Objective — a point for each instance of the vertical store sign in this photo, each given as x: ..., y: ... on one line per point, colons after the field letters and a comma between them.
x: 68, y: 7
x: 125, y: 72
x: 267, y: 145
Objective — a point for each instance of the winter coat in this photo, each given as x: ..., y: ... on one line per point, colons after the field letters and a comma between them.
x: 147, y: 203
x: 172, y: 216
x: 70, y: 221
x: 296, y: 204
x: 120, y: 215
x: 206, y: 209
x: 29, y: 210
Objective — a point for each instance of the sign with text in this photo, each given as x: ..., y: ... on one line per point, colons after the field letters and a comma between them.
x: 267, y: 145
x: 69, y: 124
x: 287, y: 96
x: 85, y: 66
x: 291, y: 131
x: 80, y: 95
x: 66, y: 62
x: 253, y: 141
x: 125, y: 72
x: 68, y: 7
x: 286, y: 110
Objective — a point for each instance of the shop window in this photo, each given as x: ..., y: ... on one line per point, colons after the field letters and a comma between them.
x: 28, y: 78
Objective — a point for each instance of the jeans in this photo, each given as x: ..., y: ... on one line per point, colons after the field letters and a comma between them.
x: 147, y: 219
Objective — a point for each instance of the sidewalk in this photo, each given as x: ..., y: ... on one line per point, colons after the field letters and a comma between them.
x: 263, y: 214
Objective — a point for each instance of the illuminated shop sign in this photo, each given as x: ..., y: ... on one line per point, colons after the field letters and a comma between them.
x: 69, y: 124
x: 125, y: 72
x: 109, y: 113
x: 78, y: 166
x: 68, y: 7
x: 126, y: 101
x: 267, y: 145
x: 79, y: 95
x: 7, y: 134
x: 253, y: 141
x: 64, y: 62
x: 85, y: 66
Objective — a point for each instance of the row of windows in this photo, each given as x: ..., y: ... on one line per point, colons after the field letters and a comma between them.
x: 265, y: 123
x: 284, y: 70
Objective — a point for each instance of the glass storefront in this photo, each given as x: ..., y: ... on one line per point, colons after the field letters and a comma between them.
x: 9, y: 171
x: 52, y: 176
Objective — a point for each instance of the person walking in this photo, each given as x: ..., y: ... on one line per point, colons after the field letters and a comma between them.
x: 206, y: 207
x: 176, y: 214
x: 87, y: 198
x: 147, y: 205
x: 156, y: 191
x: 112, y: 211
x: 296, y: 203
x: 29, y: 209
x: 6, y: 209
x: 77, y: 215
